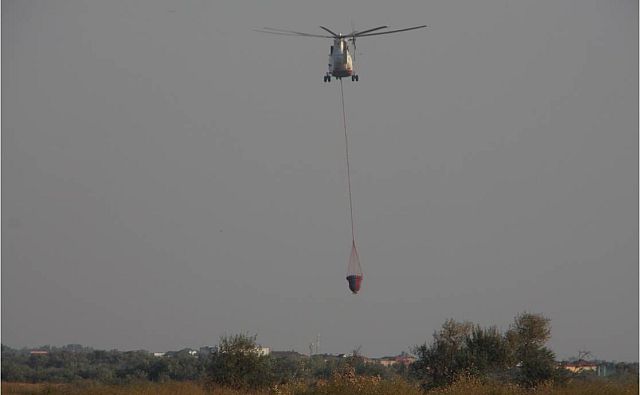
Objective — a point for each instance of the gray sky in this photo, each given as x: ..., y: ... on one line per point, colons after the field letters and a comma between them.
x: 169, y: 175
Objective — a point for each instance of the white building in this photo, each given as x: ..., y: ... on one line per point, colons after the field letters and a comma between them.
x: 263, y: 351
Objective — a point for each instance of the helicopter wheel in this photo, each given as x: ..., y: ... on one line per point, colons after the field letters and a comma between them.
x: 353, y: 78
x: 357, y: 77
x: 325, y: 78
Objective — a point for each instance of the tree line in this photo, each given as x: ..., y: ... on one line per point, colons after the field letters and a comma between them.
x: 233, y: 362
x: 518, y: 355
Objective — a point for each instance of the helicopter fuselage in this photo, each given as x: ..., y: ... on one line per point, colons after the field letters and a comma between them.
x: 340, y: 60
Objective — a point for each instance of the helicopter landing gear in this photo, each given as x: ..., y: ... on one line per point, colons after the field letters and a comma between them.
x: 327, y: 78
x: 354, y: 77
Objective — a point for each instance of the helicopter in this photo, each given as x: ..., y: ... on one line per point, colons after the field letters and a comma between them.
x: 340, y: 57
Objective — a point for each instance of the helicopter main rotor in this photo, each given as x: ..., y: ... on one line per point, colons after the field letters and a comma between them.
x: 352, y: 35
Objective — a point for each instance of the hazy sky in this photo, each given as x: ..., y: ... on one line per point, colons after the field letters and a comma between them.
x: 170, y: 175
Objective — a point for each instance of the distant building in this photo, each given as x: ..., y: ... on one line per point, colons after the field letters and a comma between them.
x: 263, y: 351
x: 206, y: 350
x: 386, y: 361
x: 367, y: 359
x: 39, y: 352
x: 182, y: 352
x: 581, y: 367
x: 404, y: 359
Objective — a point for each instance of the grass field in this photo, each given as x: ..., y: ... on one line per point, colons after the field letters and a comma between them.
x: 336, y: 386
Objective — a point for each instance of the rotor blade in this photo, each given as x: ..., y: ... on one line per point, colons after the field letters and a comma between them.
x: 288, y: 32
x: 324, y: 28
x: 368, y: 31
x: 391, y: 31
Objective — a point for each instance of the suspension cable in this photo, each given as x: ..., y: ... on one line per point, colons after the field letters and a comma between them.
x: 346, y: 144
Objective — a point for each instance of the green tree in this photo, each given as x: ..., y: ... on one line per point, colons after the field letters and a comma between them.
x: 527, y: 337
x: 236, y: 363
x: 445, y: 358
x: 374, y: 369
x: 462, y: 347
x: 488, y: 351
x: 290, y: 368
x: 184, y: 366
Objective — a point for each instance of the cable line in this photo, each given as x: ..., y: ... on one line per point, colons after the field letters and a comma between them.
x: 346, y: 145
x: 354, y: 271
